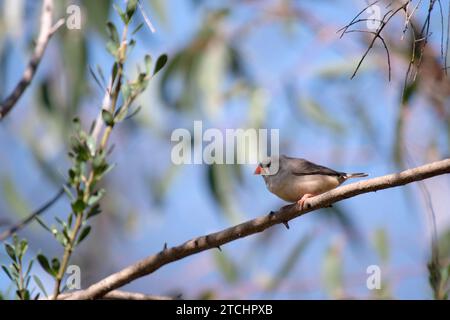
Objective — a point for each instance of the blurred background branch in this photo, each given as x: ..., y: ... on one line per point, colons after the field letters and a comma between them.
x: 47, y: 29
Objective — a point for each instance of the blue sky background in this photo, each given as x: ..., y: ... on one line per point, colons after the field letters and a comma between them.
x: 134, y: 226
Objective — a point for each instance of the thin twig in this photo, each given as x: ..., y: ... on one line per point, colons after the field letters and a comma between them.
x: 376, y: 36
x: 7, y: 233
x: 286, y: 213
x: 47, y: 29
x: 385, y: 47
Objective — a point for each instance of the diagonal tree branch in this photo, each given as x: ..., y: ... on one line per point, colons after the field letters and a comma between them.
x: 285, y: 214
x: 47, y: 29
x: 122, y: 295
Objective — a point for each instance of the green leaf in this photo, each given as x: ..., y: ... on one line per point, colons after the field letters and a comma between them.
x: 84, y: 233
x: 93, y: 199
x: 108, y: 118
x: 112, y: 48
x: 66, y: 188
x: 131, y: 8
x: 101, y: 173
x: 137, y: 28
x: 62, y: 223
x: 122, y: 14
x: 69, y: 220
x: 112, y: 33
x: 126, y: 92
x: 23, y: 248
x: 95, y: 210
x: 55, y: 265
x: 43, y: 261
x: 101, y: 85
x: 121, y: 114
x: 90, y: 142
x: 30, y: 265
x: 40, y: 285
x: 7, y: 272
x: 135, y: 112
x: 78, y: 206
x: 162, y: 60
x: 11, y: 251
x: 61, y: 237
x: 46, y: 89
x: 43, y: 225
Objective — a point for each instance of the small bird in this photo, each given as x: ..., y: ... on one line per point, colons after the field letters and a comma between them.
x: 295, y: 180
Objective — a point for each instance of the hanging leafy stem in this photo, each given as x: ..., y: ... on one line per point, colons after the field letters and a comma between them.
x: 89, y: 157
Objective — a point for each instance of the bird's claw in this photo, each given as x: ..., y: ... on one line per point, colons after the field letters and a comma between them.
x: 301, y: 202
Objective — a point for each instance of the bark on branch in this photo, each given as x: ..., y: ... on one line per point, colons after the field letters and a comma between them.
x: 47, y: 29
x: 282, y: 216
x: 121, y: 295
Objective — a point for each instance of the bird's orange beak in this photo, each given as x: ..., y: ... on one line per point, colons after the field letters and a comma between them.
x: 258, y: 170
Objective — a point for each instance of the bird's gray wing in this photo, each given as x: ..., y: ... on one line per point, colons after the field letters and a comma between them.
x: 303, y: 167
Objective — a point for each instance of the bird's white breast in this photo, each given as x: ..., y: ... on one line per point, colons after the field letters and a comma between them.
x: 294, y: 187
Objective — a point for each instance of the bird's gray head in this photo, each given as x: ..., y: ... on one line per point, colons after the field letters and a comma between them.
x: 269, y: 166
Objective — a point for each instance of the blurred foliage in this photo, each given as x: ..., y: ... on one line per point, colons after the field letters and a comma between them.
x: 226, y: 266
x: 290, y: 262
x: 13, y: 198
x: 382, y: 247
x: 332, y: 271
